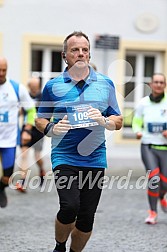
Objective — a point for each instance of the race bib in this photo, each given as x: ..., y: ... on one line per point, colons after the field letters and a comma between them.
x: 156, y: 127
x: 78, y: 116
x: 4, y: 117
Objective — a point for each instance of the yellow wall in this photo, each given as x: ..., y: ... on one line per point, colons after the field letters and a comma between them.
x: 0, y: 43
x: 1, y: 2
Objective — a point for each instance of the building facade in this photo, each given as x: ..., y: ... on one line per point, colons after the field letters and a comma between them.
x: 128, y: 43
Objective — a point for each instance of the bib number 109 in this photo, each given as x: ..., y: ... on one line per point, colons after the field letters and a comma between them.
x: 80, y: 116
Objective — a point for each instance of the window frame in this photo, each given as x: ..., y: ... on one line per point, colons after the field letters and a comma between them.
x: 138, y: 79
x: 39, y: 40
x: 134, y: 45
x: 45, y: 74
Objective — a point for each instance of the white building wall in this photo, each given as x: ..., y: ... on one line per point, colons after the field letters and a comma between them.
x: 60, y: 17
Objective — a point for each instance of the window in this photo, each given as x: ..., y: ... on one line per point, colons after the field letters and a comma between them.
x: 46, y: 62
x: 149, y: 63
x: 56, y: 61
x: 136, y: 83
x: 36, y: 60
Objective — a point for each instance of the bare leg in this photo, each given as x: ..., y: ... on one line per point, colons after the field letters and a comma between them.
x: 24, y: 159
x: 23, y: 167
x: 62, y: 231
x: 39, y: 160
x: 79, y: 239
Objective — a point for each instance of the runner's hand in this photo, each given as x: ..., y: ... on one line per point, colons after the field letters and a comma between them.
x: 62, y: 127
x: 164, y: 133
x: 139, y: 135
x: 96, y: 115
x: 25, y: 138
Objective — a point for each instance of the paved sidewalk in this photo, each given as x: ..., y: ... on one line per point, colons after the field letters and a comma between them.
x: 27, y: 223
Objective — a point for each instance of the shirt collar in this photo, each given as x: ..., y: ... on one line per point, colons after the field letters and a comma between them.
x: 92, y: 76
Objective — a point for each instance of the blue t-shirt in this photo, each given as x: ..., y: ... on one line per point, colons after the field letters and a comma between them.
x: 82, y: 146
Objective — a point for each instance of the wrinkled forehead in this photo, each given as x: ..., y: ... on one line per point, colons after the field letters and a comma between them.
x: 77, y: 41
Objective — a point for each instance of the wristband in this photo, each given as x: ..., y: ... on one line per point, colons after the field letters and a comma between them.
x: 48, y: 129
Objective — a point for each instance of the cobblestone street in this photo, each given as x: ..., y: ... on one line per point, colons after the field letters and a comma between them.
x: 27, y: 223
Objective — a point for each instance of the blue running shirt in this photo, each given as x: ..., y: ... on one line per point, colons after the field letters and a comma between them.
x: 83, y: 146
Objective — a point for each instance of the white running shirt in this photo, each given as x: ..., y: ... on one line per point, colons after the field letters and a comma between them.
x: 154, y: 117
x: 9, y: 107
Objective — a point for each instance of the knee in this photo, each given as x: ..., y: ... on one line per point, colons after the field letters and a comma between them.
x: 68, y: 212
x: 85, y: 222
